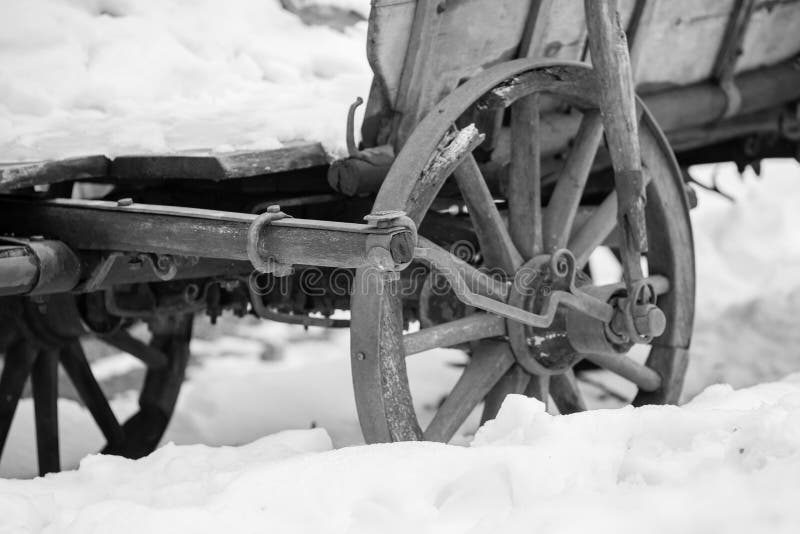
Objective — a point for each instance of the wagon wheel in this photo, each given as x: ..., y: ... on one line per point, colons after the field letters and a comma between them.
x: 505, y: 355
x: 48, y: 332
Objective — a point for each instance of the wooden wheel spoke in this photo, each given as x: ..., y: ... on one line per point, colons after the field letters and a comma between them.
x: 74, y: 362
x: 497, y: 247
x: 515, y: 381
x: 565, y: 393
x: 489, y: 362
x: 594, y: 231
x: 560, y: 215
x: 620, y: 364
x: 470, y: 328
x: 16, y: 369
x: 148, y: 354
x: 524, y: 183
x: 659, y: 282
x: 44, y: 380
x: 539, y: 388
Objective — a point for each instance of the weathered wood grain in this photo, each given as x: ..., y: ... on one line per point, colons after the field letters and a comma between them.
x: 19, y: 175
x: 217, y: 167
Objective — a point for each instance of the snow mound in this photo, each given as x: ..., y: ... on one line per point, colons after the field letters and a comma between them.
x: 110, y: 77
x: 728, y: 461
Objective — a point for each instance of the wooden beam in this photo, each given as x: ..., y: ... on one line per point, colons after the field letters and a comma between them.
x: 102, y: 225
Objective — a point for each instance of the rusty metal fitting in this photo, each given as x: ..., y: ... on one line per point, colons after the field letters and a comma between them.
x: 387, y: 219
x: 393, y: 250
x: 261, y: 263
x: 37, y: 267
x: 637, y: 318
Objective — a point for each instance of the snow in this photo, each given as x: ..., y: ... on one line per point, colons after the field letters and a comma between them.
x: 81, y: 77
x: 729, y: 461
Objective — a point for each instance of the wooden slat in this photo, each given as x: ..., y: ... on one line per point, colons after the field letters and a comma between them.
x: 217, y: 167
x: 18, y: 175
x: 414, y: 96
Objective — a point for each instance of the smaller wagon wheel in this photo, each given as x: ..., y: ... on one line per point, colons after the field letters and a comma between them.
x: 535, y: 230
x: 48, y: 332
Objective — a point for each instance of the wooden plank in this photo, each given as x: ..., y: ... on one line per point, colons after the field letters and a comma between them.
x: 19, y: 175
x: 414, y: 98
x: 771, y: 35
x: 222, y: 166
x: 195, y: 165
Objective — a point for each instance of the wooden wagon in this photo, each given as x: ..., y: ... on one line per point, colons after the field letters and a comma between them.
x: 529, y: 105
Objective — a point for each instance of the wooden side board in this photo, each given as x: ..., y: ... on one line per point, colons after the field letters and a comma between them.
x: 678, y: 42
x: 199, y: 165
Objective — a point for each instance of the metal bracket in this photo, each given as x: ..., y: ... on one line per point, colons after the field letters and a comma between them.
x: 733, y: 97
x: 380, y: 246
x: 563, y: 265
x: 261, y: 264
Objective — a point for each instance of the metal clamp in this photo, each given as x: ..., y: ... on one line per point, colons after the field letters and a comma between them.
x: 391, y: 252
x: 260, y: 263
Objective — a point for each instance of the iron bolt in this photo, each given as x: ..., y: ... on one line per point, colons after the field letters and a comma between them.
x: 125, y: 202
x: 360, y: 356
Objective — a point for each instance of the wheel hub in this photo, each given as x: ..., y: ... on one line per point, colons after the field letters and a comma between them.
x: 542, y: 351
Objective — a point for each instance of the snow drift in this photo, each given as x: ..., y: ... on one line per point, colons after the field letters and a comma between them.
x: 728, y: 461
